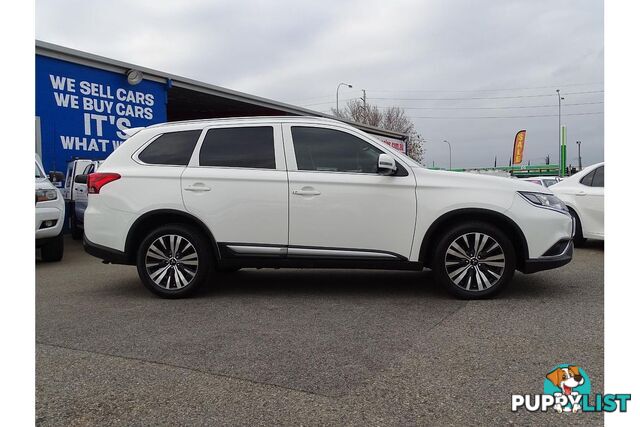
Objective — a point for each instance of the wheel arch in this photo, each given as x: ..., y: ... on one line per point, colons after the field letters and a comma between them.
x: 444, y: 222
x: 155, y: 218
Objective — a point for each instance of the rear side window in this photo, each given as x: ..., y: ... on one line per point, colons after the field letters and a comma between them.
x: 241, y: 147
x: 586, y: 180
x: 598, y: 177
x: 173, y: 148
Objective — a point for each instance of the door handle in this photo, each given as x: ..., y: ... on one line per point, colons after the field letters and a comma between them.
x: 581, y: 193
x: 197, y: 188
x: 306, y: 191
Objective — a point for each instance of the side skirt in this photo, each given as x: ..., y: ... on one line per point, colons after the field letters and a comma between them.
x: 241, y: 255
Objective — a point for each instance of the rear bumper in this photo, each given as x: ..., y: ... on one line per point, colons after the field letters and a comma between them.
x: 549, y: 262
x: 108, y: 255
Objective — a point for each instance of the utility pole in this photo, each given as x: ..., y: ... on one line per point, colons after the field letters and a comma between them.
x: 579, y: 156
x: 364, y: 98
x: 560, y: 98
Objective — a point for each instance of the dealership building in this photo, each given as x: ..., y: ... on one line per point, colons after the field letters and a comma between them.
x: 85, y: 101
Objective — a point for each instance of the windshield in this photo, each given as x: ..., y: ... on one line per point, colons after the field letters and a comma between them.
x: 39, y: 173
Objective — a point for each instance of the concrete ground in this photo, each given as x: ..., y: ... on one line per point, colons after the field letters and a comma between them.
x: 308, y: 347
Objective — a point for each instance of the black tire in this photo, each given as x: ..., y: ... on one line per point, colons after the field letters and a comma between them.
x: 76, y: 232
x: 478, y: 275
x: 53, y: 250
x: 578, y: 238
x: 181, y: 270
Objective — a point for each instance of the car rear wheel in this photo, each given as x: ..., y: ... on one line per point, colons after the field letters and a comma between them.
x: 174, y: 260
x: 474, y: 260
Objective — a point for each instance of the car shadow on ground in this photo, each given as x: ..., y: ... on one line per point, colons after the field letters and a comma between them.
x: 296, y: 283
x: 332, y: 282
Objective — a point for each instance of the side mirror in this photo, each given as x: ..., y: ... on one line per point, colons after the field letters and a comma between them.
x: 386, y: 165
x: 56, y: 177
x: 80, y: 179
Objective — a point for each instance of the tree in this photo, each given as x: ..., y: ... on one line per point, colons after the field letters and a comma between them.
x: 391, y: 118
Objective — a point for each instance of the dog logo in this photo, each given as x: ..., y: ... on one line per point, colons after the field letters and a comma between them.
x: 567, y: 388
x: 570, y: 381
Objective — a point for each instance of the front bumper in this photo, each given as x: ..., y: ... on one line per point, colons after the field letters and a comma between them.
x: 48, y: 213
x: 548, y: 262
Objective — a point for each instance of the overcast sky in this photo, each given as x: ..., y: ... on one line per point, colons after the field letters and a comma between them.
x: 515, y: 52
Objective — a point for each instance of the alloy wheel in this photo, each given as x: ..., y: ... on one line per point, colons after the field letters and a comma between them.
x: 171, y: 261
x: 475, y: 261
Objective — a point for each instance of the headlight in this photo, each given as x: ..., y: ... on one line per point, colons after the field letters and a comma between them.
x: 548, y: 201
x: 46, y: 195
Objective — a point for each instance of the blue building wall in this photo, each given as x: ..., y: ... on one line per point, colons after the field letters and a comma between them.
x: 83, y: 110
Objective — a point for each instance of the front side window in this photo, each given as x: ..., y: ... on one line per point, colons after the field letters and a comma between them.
x: 173, y: 148
x: 328, y: 150
x: 241, y: 147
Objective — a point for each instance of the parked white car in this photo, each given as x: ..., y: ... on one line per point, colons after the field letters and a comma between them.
x: 49, y: 216
x: 583, y: 193
x: 181, y: 199
x: 546, y: 181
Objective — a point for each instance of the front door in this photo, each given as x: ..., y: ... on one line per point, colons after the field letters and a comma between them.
x: 339, y: 206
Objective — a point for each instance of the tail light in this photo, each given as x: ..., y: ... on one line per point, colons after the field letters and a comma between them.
x: 97, y: 180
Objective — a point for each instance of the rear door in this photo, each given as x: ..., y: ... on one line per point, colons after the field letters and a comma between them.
x: 74, y: 168
x: 236, y: 183
x: 339, y: 206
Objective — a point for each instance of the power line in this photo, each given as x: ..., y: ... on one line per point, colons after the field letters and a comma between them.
x: 504, y: 117
x: 328, y: 102
x: 488, y: 90
x: 491, y: 97
x: 472, y: 108
x: 500, y: 108
x: 457, y: 90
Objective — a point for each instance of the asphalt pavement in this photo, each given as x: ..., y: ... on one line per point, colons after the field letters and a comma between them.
x: 309, y: 347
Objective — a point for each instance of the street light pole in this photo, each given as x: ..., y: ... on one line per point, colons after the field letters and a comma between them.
x: 560, y: 98
x: 449, y: 153
x: 579, y: 156
x: 337, y: 91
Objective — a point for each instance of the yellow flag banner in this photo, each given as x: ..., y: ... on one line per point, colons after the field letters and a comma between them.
x: 518, y: 147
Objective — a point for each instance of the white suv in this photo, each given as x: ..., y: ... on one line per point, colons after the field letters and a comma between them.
x: 180, y: 200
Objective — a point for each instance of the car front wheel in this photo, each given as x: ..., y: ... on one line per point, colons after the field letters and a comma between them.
x: 53, y: 250
x: 474, y: 260
x: 174, y: 260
